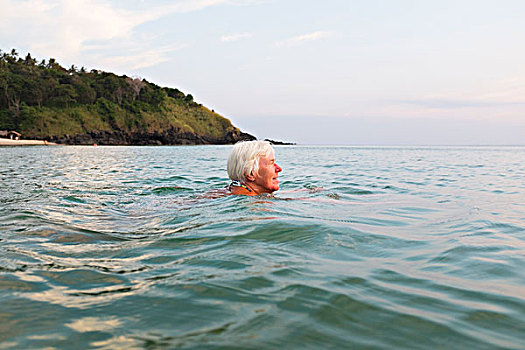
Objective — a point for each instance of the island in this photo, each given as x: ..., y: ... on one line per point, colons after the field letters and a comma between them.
x: 44, y: 101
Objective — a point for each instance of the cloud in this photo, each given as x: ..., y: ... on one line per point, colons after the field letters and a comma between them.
x: 64, y: 26
x: 138, y: 58
x: 453, y: 104
x: 298, y: 40
x: 72, y: 30
x: 494, y: 99
x: 183, y: 6
x: 495, y: 93
x: 235, y: 37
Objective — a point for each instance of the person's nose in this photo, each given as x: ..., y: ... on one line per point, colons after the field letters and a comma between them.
x: 278, y: 168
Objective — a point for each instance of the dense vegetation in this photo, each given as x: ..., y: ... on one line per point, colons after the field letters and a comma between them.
x: 47, y: 101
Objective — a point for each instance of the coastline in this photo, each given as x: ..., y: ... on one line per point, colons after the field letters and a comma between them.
x: 9, y: 142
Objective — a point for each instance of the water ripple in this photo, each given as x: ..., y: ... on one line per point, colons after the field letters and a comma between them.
x: 371, y: 247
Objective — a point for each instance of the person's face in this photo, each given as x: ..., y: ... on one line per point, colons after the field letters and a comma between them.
x: 266, y: 179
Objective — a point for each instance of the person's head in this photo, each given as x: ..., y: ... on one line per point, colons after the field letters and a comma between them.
x: 253, y: 163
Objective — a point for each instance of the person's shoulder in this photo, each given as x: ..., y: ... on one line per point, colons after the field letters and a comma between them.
x: 240, y: 191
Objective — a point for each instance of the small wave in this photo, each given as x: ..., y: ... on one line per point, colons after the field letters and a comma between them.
x: 74, y: 199
x: 170, y: 190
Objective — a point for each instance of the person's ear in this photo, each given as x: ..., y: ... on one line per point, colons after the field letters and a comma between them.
x: 250, y: 176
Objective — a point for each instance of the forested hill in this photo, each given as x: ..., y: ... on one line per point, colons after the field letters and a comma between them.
x: 43, y: 100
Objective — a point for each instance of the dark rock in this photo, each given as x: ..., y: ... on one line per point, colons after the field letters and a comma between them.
x: 170, y: 136
x: 273, y: 142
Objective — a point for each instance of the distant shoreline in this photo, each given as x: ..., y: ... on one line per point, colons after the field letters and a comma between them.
x: 9, y: 142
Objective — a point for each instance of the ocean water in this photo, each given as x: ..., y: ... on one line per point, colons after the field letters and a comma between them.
x: 363, y: 247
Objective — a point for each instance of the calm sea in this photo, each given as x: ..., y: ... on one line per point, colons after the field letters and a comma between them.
x: 372, y: 247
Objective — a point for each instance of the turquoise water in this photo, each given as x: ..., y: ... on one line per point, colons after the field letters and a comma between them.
x: 374, y: 247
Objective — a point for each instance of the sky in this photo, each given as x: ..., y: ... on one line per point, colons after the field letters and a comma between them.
x: 389, y: 72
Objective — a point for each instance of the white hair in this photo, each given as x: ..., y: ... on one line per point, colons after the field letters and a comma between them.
x: 244, y: 158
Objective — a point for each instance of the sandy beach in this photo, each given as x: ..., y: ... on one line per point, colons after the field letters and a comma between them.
x: 9, y: 142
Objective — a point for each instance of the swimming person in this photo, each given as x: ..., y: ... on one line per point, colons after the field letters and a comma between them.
x: 252, y: 168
